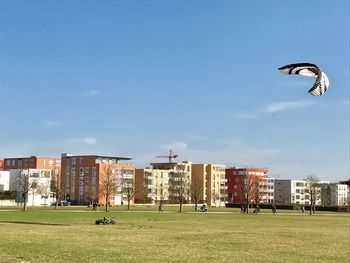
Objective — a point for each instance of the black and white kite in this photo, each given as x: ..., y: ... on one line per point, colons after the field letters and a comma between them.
x: 309, y: 70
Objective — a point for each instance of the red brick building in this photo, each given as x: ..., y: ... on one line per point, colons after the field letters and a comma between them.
x: 82, y: 176
x: 241, y: 181
x: 32, y: 162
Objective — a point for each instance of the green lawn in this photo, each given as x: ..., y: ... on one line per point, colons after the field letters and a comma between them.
x: 69, y: 234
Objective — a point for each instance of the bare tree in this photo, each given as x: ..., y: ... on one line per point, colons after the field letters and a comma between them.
x: 24, y: 183
x: 128, y: 190
x: 126, y: 186
x: 58, y: 183
x: 91, y: 194
x: 196, y: 190
x: 249, y: 186
x: 259, y: 191
x: 179, y: 187
x: 160, y: 204
x: 44, y: 190
x: 107, y: 186
x: 161, y: 199
x: 314, y: 191
x: 216, y: 195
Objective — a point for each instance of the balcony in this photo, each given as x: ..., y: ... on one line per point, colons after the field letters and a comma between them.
x: 223, y: 180
x: 150, y: 177
x: 127, y: 176
x: 151, y: 186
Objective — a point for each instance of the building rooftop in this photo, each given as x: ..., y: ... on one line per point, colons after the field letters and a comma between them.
x: 96, y: 156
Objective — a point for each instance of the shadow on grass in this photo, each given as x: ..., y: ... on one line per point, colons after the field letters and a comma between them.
x: 33, y: 223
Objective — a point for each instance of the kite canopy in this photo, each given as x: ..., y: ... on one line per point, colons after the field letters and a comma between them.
x: 309, y: 70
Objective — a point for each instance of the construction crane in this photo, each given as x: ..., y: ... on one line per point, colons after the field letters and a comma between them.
x: 170, y: 156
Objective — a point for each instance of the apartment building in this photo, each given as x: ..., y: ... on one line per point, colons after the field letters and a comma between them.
x: 251, y: 182
x: 334, y: 194
x: 210, y: 180
x: 159, y: 182
x: 32, y: 162
x: 4, y: 181
x: 2, y: 165
x: 83, y: 178
x: 152, y: 185
x: 37, y: 182
x: 179, y: 176
x: 289, y: 192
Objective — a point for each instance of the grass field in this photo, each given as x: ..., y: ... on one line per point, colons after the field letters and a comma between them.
x: 69, y: 234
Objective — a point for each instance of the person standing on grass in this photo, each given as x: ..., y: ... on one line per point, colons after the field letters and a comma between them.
x: 274, y: 209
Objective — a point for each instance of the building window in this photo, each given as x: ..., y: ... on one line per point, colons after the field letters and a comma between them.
x: 93, y: 170
x: 81, y: 160
x: 86, y: 179
x: 73, y: 161
x: 87, y: 170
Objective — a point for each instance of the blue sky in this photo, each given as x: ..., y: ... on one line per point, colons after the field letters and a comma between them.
x: 137, y: 78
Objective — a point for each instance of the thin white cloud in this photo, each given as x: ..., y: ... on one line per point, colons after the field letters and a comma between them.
x: 344, y: 102
x: 83, y: 140
x: 51, y: 123
x: 288, y: 105
x: 89, y: 140
x: 176, y: 145
x: 91, y: 93
x: 246, y: 116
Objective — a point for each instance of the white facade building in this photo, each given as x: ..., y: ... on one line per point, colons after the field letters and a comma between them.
x: 266, y: 190
x: 334, y: 194
x: 39, y: 183
x: 4, y: 181
x: 289, y: 192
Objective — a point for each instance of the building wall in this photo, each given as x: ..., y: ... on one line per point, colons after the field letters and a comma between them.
x: 32, y: 162
x: 124, y: 176
x: 2, y: 165
x: 334, y: 194
x: 216, y: 188
x: 152, y: 185
x: 156, y: 183
x: 175, y: 171
x: 199, y: 181
x: 40, y: 194
x: 82, y: 176
x: 241, y: 180
x: 140, y: 187
x: 289, y: 192
x: 4, y: 181
x: 283, y: 192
